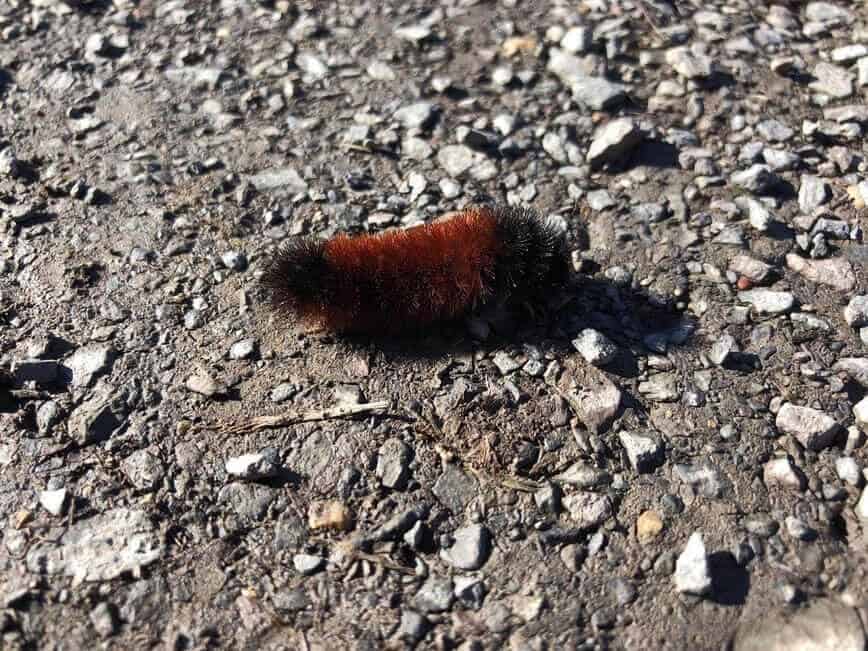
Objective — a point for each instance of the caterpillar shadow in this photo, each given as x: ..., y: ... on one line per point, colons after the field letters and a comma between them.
x: 637, y: 321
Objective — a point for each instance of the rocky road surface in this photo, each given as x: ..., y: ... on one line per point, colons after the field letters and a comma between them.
x: 668, y: 454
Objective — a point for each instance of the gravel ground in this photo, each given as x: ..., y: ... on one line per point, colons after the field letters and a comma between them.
x: 668, y: 454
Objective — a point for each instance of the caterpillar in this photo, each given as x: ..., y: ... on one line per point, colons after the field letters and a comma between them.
x: 406, y: 279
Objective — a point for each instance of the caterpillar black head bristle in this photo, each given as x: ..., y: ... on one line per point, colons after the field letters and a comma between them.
x: 297, y: 277
x: 534, y: 255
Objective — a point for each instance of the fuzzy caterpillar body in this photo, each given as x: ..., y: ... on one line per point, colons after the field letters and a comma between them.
x: 405, y: 279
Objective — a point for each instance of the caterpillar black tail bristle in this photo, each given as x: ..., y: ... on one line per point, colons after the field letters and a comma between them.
x: 405, y: 279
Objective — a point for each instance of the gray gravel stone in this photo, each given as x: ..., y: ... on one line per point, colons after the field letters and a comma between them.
x: 832, y: 228
x: 416, y: 149
x: 204, y: 384
x: 415, y: 536
x: 9, y: 165
x: 661, y: 387
x: 688, y: 64
x: 757, y: 179
x: 588, y: 510
x: 255, y: 465
x: 548, y: 498
x: 578, y: 40
x: 235, y: 260
x: 381, y: 71
x: 144, y: 469
x: 828, y: 12
x: 314, y: 67
x: 758, y: 215
x: 600, y: 200
x: 449, y: 188
x: 502, y: 76
x: 249, y: 501
x: 862, y: 506
x: 99, y: 548
x: 799, y: 529
x: 856, y: 312
x: 613, y: 141
x: 813, y: 193
x: 93, y: 420
x: 243, y: 349
x: 415, y: 33
x: 47, y: 416
x: 834, y: 272
x: 855, y: 368
x: 193, y: 320
x: 767, y: 301
x: 307, y: 564
x: 731, y: 236
x: 783, y: 472
x: 848, y: 470
x: 692, y: 571
x: 197, y: 77
x: 283, y: 392
x: 860, y: 413
x: 89, y: 362
x: 624, y: 591
x: 413, y: 625
x: 504, y: 123
x: 824, y: 624
x: 553, y: 145
x: 598, y: 404
x: 703, y: 479
x: 455, y: 489
x: 774, y: 130
x: 470, y: 590
x: 832, y: 80
x: 435, y: 595
x: 761, y: 524
x: 722, y: 349
x: 645, y: 452
x: 104, y: 620
x: 471, y: 548
x: 505, y: 363
x: 279, y: 180
x: 583, y: 476
x: 598, y: 93
x: 54, y: 501
x: 456, y: 159
x: 568, y: 67
x: 751, y: 268
x: 848, y: 113
x: 416, y: 116
x: 779, y: 160
x: 649, y: 212
x: 814, y: 429
x: 595, y: 347
x: 393, y: 463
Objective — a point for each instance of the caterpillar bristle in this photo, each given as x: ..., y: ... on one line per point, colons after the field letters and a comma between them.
x: 405, y: 279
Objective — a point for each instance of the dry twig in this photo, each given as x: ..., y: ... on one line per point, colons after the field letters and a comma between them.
x: 384, y: 562
x: 292, y: 418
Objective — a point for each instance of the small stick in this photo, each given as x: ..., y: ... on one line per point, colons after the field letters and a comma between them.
x: 282, y: 420
x: 384, y: 562
x: 644, y: 11
x: 523, y: 485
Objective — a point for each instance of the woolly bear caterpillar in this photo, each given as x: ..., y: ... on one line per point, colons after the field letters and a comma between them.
x: 404, y: 279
